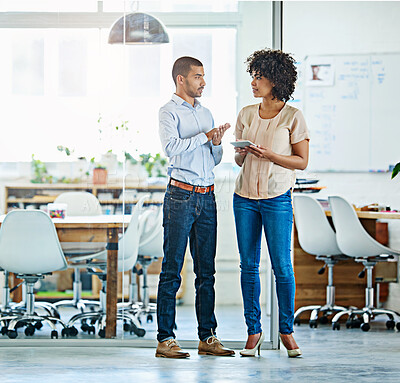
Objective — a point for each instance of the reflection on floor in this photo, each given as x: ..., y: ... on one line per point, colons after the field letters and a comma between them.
x: 230, y: 325
x: 328, y: 356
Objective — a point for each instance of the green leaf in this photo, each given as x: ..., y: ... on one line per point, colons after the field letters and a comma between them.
x: 396, y: 170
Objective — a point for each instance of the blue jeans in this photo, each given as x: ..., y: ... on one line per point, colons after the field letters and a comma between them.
x: 276, y: 216
x: 188, y: 215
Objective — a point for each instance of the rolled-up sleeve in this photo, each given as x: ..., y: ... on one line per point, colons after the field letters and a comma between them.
x: 171, y: 143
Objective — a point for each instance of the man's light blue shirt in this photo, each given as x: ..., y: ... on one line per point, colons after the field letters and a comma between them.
x: 182, y: 131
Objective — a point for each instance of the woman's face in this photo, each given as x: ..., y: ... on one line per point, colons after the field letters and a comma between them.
x: 261, y: 86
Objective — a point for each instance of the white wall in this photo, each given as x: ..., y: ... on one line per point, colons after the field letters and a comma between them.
x: 331, y: 27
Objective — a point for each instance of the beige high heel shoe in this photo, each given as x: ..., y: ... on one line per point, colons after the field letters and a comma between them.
x: 252, y: 351
x: 293, y: 353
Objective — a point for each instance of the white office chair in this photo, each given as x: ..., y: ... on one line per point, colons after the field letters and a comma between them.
x: 317, y: 237
x: 29, y: 247
x: 5, y: 307
x: 355, y: 242
x: 79, y: 204
x: 128, y: 246
x: 150, y: 250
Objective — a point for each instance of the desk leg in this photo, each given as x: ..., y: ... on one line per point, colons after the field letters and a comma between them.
x: 112, y: 287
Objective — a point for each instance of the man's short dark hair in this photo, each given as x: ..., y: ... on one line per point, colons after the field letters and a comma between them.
x: 183, y: 65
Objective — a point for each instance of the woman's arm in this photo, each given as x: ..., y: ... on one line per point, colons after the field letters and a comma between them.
x: 298, y: 160
x: 240, y: 155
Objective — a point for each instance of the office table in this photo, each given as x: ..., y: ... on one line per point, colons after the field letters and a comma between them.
x: 102, y: 228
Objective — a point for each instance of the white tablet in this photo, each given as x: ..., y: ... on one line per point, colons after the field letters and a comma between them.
x: 242, y: 144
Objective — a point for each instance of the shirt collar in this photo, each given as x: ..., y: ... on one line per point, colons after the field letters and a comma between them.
x: 180, y: 101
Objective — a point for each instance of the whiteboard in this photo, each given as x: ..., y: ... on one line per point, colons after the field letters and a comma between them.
x: 350, y: 107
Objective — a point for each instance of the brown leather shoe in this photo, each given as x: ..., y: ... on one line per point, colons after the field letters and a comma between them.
x: 170, y: 349
x: 213, y: 346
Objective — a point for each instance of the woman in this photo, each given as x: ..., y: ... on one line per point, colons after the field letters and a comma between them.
x: 263, y: 189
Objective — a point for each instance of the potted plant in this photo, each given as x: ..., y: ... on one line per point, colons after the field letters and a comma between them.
x: 155, y: 166
x: 40, y: 174
x: 396, y: 170
x: 99, y: 173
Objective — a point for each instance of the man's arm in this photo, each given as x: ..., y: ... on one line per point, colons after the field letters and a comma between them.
x: 171, y: 143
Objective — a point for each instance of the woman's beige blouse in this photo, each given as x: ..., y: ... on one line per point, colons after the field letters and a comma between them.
x: 260, y: 178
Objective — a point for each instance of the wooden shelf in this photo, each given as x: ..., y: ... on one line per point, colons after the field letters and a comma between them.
x: 23, y: 194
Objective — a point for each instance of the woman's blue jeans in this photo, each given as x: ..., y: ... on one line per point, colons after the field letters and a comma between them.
x: 276, y: 216
x: 193, y: 216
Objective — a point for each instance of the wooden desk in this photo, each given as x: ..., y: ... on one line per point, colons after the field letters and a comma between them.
x: 311, y: 287
x: 97, y: 229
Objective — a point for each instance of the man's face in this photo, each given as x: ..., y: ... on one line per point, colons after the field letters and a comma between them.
x: 193, y: 83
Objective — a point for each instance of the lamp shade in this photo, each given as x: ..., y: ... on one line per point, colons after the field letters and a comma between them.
x: 140, y: 28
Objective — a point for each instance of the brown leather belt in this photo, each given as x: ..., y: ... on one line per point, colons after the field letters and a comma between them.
x: 188, y: 187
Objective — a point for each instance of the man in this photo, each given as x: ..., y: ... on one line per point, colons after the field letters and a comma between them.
x: 193, y: 146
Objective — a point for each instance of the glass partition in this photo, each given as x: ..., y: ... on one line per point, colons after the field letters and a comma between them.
x: 81, y: 115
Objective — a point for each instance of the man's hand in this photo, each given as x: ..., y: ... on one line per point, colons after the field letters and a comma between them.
x: 210, y: 134
x: 216, y: 134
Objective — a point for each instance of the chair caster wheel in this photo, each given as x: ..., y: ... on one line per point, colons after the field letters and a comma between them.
x: 91, y: 330
x: 12, y: 334
x: 324, y: 320
x: 365, y: 327
x: 390, y: 324
x: 54, y: 334
x: 72, y: 331
x: 38, y: 325
x: 127, y: 327
x: 336, y: 326
x: 398, y: 326
x: 4, y: 330
x: 297, y: 322
x: 138, y: 331
x: 29, y: 330
x: 313, y: 323
x: 102, y: 333
x: 149, y: 318
x: 85, y: 327
x: 65, y: 332
x: 356, y: 323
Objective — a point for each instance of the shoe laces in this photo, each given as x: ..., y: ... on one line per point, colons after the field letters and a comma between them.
x: 172, y: 342
x: 213, y: 339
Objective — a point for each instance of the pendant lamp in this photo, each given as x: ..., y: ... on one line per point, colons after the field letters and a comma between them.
x: 140, y: 28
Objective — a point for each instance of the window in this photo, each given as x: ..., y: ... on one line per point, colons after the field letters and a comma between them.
x: 56, y: 83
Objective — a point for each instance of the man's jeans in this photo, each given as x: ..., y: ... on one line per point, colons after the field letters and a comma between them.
x: 276, y: 215
x: 193, y: 215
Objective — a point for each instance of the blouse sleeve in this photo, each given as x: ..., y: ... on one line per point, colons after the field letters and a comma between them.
x: 239, y: 126
x: 299, y: 131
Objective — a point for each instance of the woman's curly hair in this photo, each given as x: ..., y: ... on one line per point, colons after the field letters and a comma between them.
x: 278, y: 67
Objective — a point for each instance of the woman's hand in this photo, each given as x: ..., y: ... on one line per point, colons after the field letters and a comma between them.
x: 240, y: 155
x: 241, y: 151
x: 298, y: 159
x: 261, y: 152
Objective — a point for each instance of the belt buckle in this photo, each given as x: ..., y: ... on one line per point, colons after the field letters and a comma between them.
x: 201, y: 190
